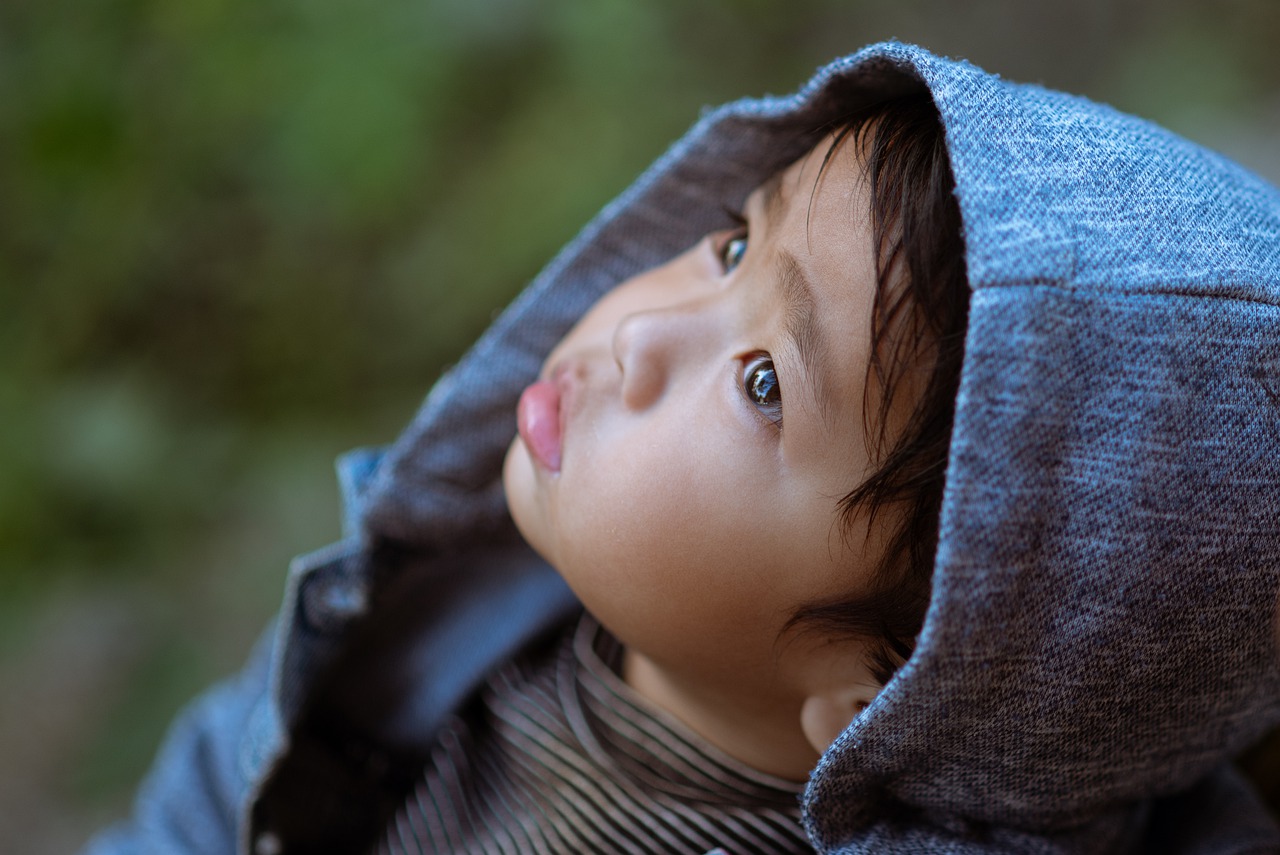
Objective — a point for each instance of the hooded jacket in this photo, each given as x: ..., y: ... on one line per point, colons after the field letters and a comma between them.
x: 1101, y: 636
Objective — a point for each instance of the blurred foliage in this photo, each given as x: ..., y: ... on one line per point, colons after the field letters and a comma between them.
x: 218, y: 214
x: 238, y: 235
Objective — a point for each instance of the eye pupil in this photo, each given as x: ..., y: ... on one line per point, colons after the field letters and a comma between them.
x: 764, y: 385
x: 761, y: 388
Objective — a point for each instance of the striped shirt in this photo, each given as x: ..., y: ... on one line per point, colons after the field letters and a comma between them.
x: 562, y: 756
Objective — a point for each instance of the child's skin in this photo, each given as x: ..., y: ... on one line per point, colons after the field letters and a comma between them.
x: 680, y: 505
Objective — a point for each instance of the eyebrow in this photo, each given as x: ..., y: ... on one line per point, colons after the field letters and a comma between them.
x: 800, y: 317
x: 801, y: 326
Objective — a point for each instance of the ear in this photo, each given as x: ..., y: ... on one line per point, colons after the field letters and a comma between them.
x: 824, y: 716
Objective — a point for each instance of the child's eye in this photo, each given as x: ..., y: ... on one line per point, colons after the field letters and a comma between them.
x: 734, y: 247
x: 760, y: 382
x: 732, y: 252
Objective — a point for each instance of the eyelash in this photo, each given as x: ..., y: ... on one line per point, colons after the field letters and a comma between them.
x: 754, y: 388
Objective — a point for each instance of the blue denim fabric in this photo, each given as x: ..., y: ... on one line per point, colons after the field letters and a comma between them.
x: 1101, y: 634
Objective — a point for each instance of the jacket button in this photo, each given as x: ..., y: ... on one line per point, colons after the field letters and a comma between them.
x: 266, y: 843
x: 331, y: 599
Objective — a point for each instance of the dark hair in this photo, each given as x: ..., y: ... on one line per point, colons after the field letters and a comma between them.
x: 918, y: 326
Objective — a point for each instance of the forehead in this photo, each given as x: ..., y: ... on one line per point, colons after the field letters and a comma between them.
x: 817, y: 215
x: 826, y: 188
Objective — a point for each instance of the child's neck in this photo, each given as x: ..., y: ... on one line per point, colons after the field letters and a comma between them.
x: 762, y: 732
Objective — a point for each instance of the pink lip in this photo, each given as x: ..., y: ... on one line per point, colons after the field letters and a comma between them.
x: 538, y: 420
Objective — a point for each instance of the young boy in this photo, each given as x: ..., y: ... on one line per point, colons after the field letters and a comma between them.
x: 959, y: 506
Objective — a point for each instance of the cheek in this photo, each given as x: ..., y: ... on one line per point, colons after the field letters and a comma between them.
x: 671, y: 517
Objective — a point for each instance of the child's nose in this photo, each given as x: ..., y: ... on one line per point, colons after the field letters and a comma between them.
x: 651, y: 345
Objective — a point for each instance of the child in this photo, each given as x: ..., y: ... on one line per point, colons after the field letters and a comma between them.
x: 958, y: 506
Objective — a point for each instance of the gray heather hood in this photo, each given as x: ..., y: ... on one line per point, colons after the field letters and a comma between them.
x: 1101, y: 630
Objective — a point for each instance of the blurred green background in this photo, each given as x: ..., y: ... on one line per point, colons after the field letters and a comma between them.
x: 240, y: 236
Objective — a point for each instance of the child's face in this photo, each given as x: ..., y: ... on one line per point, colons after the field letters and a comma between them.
x: 682, y: 462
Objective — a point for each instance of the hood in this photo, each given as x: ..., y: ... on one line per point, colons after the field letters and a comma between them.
x: 1101, y: 629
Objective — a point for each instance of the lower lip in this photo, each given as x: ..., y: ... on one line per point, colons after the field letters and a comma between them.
x: 538, y: 420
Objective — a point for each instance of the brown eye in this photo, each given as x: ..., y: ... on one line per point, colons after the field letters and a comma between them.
x: 760, y: 383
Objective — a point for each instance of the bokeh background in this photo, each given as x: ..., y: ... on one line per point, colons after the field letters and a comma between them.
x: 240, y: 236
